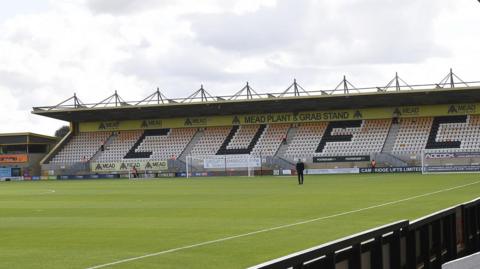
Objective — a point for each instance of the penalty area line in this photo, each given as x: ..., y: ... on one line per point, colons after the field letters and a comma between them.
x: 46, y: 192
x: 278, y: 227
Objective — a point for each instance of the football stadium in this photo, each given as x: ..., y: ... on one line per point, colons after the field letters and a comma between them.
x: 390, y: 180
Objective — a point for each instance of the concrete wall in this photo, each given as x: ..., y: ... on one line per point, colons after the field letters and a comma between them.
x: 469, y: 262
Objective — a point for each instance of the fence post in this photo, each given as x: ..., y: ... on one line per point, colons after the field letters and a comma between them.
x: 470, y: 228
x: 225, y: 165
x: 425, y: 246
x: 437, y: 243
x: 395, y: 250
x: 376, y: 254
x: 411, y: 249
x: 356, y: 261
x: 450, y: 235
x: 330, y: 261
x: 475, y: 224
x: 186, y: 166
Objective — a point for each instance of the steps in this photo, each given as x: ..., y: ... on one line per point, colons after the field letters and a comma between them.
x: 291, y: 133
x: 391, y: 137
x: 188, y: 149
x: 281, y: 163
x: 389, y: 159
x: 386, y: 156
x: 99, y: 152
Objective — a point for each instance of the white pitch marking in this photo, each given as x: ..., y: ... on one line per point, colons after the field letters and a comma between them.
x: 48, y: 192
x: 278, y: 227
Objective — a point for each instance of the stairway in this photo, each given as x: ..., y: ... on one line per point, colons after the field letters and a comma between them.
x: 188, y: 149
x: 99, y: 152
x: 391, y: 137
x: 292, y: 131
x: 389, y: 159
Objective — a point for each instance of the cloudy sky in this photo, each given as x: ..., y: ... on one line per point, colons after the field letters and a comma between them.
x: 50, y: 49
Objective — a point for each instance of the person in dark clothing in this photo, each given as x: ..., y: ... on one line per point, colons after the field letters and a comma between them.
x: 300, y: 167
x: 373, y: 164
x: 135, y: 172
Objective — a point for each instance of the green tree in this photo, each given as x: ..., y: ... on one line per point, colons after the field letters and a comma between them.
x: 62, y: 131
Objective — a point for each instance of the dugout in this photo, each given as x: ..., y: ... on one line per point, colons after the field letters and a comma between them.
x: 20, y: 154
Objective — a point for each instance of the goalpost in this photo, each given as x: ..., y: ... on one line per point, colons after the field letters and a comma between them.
x: 221, y: 165
x: 450, y: 161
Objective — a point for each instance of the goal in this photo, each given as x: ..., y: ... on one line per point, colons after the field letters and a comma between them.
x: 450, y: 161
x: 222, y: 165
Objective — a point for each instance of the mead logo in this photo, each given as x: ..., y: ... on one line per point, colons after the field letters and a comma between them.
x: 236, y: 120
x: 406, y: 111
x: 105, y: 166
x: 358, y: 115
x: 159, y: 165
x: 109, y: 125
x: 462, y: 109
x: 128, y: 166
x: 439, y: 155
x: 195, y: 122
x: 151, y: 124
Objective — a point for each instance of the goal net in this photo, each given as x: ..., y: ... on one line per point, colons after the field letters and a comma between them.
x: 450, y: 161
x: 222, y: 165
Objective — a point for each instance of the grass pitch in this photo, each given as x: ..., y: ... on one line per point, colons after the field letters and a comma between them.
x: 80, y: 224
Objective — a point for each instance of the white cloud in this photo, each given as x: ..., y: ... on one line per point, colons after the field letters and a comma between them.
x: 94, y: 47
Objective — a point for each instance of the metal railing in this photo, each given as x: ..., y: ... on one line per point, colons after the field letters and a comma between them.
x: 424, y: 243
x: 294, y: 90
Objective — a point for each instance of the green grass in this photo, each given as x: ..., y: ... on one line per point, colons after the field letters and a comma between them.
x: 86, y: 223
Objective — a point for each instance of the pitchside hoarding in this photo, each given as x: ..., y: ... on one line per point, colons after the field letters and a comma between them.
x: 335, y: 159
x: 13, y: 158
x: 452, y: 155
x: 128, y: 166
x: 403, y: 169
x: 452, y: 168
x: 221, y: 163
x: 5, y: 172
x: 332, y: 171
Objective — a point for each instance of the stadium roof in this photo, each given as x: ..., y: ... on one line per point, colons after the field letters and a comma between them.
x: 26, y: 138
x: 246, y: 101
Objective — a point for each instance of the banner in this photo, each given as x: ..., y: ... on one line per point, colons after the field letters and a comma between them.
x: 127, y: 166
x: 13, y: 158
x: 269, y: 118
x: 96, y: 176
x: 335, y: 159
x: 221, y: 163
x: 331, y: 171
x: 452, y: 168
x: 406, y: 169
x: 5, y: 172
x: 451, y: 155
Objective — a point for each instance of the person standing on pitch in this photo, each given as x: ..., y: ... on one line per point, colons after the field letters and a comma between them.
x: 373, y: 164
x: 300, y: 167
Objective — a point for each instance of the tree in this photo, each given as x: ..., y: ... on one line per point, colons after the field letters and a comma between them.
x: 62, y: 131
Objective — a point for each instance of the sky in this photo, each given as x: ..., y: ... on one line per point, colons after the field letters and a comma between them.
x: 51, y: 49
